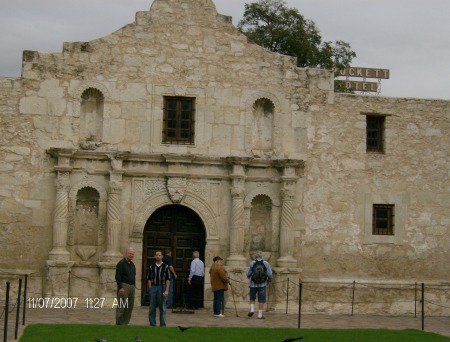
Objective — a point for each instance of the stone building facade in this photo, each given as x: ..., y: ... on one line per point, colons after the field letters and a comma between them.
x: 175, y: 131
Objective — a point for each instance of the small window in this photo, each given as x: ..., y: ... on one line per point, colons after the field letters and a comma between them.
x: 383, y: 219
x: 375, y: 133
x: 179, y: 120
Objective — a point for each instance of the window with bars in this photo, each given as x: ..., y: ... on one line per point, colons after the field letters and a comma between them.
x: 383, y: 219
x: 179, y: 120
x: 375, y: 133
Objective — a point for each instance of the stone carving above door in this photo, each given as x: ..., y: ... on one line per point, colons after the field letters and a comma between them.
x: 176, y: 188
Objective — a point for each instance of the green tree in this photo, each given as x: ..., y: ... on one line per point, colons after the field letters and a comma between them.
x: 271, y: 24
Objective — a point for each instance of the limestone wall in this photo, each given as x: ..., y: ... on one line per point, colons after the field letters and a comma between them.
x: 163, y: 53
x: 190, y: 50
x: 26, y: 187
x: 170, y: 53
x: 342, y: 179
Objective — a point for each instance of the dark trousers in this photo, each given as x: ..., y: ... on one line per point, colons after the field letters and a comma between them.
x: 218, y: 300
x: 196, y: 291
x: 124, y: 310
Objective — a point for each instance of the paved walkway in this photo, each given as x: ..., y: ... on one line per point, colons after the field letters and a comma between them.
x: 204, y: 318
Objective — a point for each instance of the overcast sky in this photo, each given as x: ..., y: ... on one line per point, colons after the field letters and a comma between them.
x: 411, y: 38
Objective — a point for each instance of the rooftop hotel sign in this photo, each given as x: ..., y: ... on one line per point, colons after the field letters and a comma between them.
x: 362, y: 73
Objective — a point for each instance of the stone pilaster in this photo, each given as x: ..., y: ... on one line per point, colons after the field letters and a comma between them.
x: 114, y: 223
x: 59, y: 251
x: 287, y: 220
x: 58, y: 264
x: 236, y: 257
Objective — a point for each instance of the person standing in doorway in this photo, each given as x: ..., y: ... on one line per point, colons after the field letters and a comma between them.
x: 126, y: 280
x: 259, y: 274
x: 219, y: 284
x: 196, y: 280
x: 167, y: 259
x: 158, y: 282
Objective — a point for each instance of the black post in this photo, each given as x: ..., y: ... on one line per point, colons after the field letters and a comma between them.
x: 287, y: 295
x: 18, y: 309
x: 5, y: 330
x: 24, y: 299
x: 423, y: 306
x: 299, y: 303
x: 353, y: 296
x: 68, y: 287
x: 415, y: 299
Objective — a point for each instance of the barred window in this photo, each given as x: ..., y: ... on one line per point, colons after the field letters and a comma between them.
x: 383, y: 219
x: 179, y: 120
x: 375, y: 133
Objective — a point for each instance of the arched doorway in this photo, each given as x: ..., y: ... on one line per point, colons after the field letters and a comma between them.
x: 181, y: 229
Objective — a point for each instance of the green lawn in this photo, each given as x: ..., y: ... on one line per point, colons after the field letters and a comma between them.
x: 112, y: 333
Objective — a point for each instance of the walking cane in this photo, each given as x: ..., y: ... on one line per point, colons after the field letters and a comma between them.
x: 268, y: 297
x: 232, y: 292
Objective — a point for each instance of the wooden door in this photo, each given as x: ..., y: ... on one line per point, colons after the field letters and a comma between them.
x: 181, y: 229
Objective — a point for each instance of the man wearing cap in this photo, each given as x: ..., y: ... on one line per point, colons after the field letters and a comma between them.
x: 219, y: 284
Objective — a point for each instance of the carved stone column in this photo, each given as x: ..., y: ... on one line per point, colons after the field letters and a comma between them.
x: 114, y: 223
x: 58, y: 263
x: 61, y: 217
x: 287, y: 220
x: 236, y: 257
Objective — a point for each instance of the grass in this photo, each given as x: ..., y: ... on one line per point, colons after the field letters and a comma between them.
x: 112, y: 333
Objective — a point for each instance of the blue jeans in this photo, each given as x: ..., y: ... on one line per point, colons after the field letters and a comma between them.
x: 218, y: 300
x: 157, y: 300
x: 261, y: 291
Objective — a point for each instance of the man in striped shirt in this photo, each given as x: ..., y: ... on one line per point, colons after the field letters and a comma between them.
x: 158, y: 280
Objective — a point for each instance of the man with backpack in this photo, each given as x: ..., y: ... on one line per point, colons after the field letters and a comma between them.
x: 259, y: 274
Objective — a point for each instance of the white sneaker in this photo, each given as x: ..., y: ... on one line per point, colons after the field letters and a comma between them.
x: 220, y: 315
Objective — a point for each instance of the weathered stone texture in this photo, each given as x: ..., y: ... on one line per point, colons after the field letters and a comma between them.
x: 340, y: 173
x: 297, y: 183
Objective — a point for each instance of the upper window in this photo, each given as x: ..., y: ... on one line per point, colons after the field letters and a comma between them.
x: 383, y: 219
x: 179, y: 120
x: 375, y: 133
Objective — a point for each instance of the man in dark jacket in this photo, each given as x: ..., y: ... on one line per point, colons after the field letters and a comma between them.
x: 126, y: 281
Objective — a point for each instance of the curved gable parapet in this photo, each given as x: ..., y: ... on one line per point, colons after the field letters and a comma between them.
x: 183, y: 11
